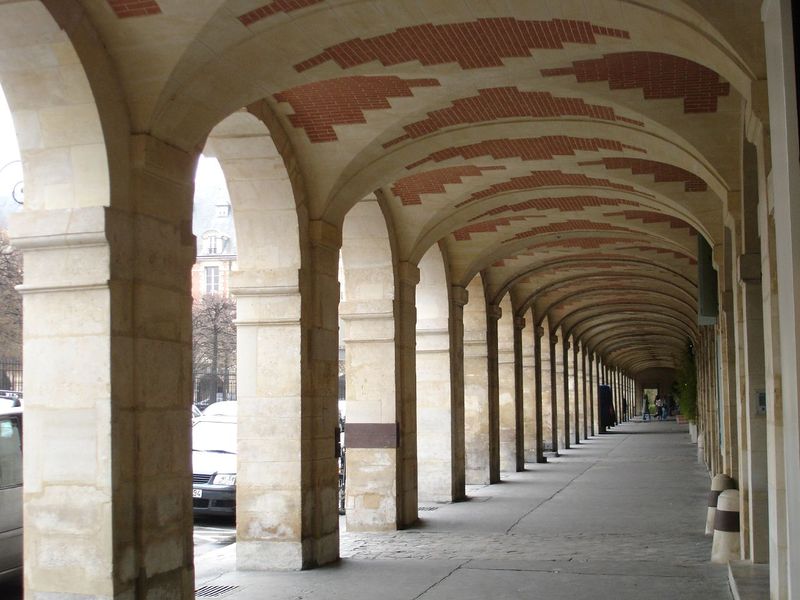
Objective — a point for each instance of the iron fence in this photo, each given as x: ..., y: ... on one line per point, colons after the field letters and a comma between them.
x: 210, y: 387
x: 11, y: 375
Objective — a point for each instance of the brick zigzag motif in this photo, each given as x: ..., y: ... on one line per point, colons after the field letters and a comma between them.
x: 587, y: 243
x: 134, y: 8
x: 662, y: 172
x: 320, y: 105
x: 494, y: 104
x: 594, y: 243
x: 273, y: 8
x: 539, y: 148
x: 568, y: 227
x: 490, y: 226
x: 661, y: 76
x: 675, y: 253
x: 647, y: 216
x: 547, y: 179
x: 409, y: 189
x: 473, y: 45
x: 565, y: 204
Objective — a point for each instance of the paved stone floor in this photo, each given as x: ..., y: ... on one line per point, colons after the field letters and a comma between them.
x: 619, y: 517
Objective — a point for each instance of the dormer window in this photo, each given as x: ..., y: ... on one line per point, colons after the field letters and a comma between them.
x: 213, y: 244
x: 223, y: 210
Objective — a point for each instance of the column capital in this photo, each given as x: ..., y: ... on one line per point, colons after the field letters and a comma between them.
x: 408, y: 273
x: 519, y: 322
x: 553, y: 339
x: 459, y: 295
x: 750, y: 268
x: 493, y: 311
x: 321, y: 233
x: 538, y: 331
x: 590, y: 356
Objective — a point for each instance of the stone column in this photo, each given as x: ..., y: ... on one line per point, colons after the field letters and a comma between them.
x: 531, y: 417
x: 287, y: 485
x: 380, y: 350
x: 405, y: 318
x: 585, y: 395
x: 576, y: 391
x: 781, y: 54
x: 592, y: 387
x: 538, y: 332
x: 507, y: 391
x: 493, y: 316
x: 457, y: 300
x: 755, y: 416
x: 564, y: 404
x: 476, y: 390
x: 519, y: 395
x: 107, y: 346
x: 554, y: 429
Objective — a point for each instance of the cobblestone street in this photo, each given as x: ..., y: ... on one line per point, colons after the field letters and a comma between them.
x: 620, y: 517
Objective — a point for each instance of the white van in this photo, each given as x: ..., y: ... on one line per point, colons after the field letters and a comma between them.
x: 10, y: 492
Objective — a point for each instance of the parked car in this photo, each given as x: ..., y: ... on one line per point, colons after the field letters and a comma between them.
x: 10, y: 492
x: 228, y: 408
x: 214, y: 465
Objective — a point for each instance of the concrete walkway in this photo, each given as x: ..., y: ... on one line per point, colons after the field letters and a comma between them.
x: 619, y: 517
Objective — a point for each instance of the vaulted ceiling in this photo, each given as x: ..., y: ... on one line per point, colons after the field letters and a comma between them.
x: 570, y: 151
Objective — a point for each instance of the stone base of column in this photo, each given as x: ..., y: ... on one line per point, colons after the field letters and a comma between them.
x: 286, y: 556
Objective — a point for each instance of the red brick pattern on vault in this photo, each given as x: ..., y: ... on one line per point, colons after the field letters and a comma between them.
x: 564, y: 204
x: 583, y: 243
x: 662, y: 172
x: 490, y: 226
x: 648, y: 217
x: 567, y: 227
x: 493, y: 104
x: 320, y: 105
x: 134, y: 8
x: 540, y: 148
x: 273, y: 8
x: 661, y: 76
x: 475, y: 44
x: 546, y: 179
x: 409, y: 189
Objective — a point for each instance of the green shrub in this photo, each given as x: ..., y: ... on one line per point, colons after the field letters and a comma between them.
x: 685, y: 386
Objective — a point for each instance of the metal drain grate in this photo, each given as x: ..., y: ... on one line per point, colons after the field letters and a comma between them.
x: 427, y: 507
x: 214, y: 591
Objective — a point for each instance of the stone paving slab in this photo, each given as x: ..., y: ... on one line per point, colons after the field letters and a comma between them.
x: 619, y: 517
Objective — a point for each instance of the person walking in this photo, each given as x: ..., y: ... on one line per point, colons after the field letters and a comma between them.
x: 645, y: 408
x: 659, y: 408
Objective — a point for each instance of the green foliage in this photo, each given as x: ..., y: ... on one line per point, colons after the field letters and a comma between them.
x: 685, y: 386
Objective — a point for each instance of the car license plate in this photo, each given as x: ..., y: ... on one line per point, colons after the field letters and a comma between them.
x: 197, y: 493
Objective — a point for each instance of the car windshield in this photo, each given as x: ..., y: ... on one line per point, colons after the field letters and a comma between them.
x: 213, y: 436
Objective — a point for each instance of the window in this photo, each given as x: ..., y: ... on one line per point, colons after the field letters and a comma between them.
x: 213, y: 244
x: 212, y: 280
x: 10, y: 453
x: 223, y: 210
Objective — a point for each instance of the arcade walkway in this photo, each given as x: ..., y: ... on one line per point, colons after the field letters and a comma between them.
x: 620, y: 516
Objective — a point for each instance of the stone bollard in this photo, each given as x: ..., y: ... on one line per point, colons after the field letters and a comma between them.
x: 725, y: 546
x: 720, y: 483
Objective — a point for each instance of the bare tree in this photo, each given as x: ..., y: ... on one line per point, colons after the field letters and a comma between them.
x: 10, y: 300
x: 213, y: 340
